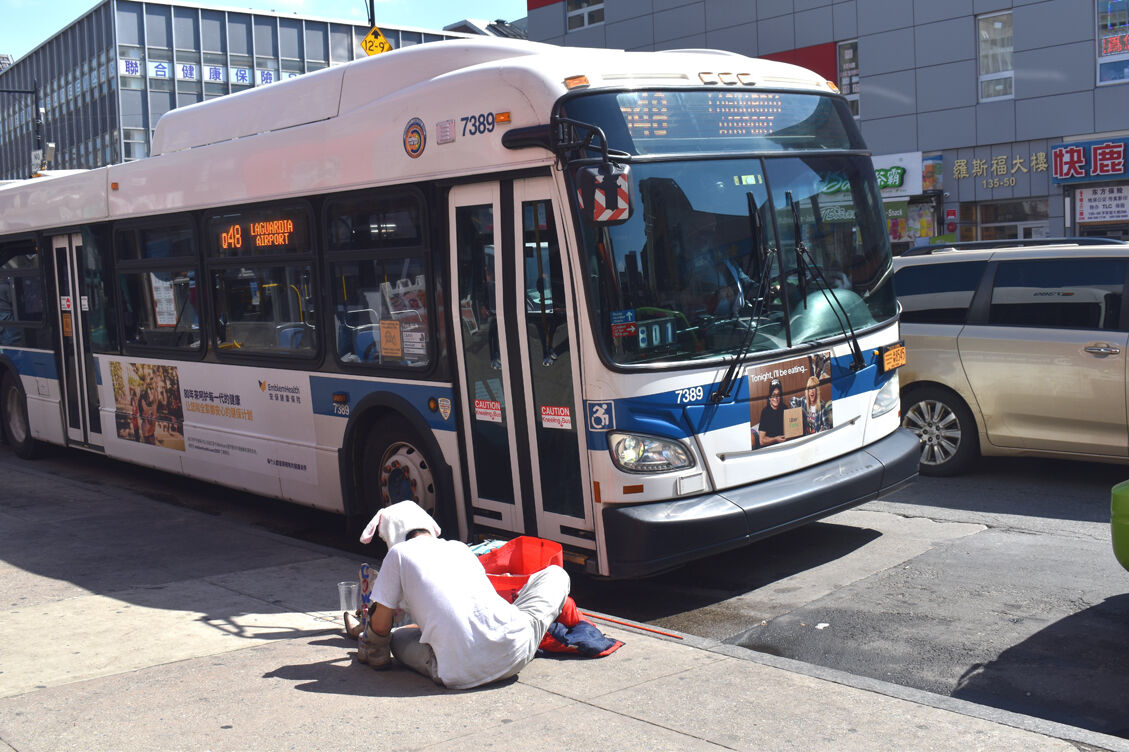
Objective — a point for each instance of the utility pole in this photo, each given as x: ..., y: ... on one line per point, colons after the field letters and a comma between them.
x: 37, y: 155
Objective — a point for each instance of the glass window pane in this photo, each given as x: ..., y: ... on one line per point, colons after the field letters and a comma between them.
x: 154, y: 243
x: 239, y: 34
x: 211, y: 29
x: 381, y: 310
x: 937, y: 293
x: 129, y: 23
x: 375, y: 221
x: 265, y: 309
x: 995, y: 44
x: 1059, y: 293
x: 186, y: 23
x: 289, y: 38
x: 159, y: 308
x: 158, y: 25
x: 266, y: 42
x: 316, y: 44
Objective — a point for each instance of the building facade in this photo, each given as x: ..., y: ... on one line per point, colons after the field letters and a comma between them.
x: 987, y: 118
x: 104, y: 81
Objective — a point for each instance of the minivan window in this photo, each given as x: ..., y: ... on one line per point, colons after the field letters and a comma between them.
x: 937, y: 293
x: 1059, y: 293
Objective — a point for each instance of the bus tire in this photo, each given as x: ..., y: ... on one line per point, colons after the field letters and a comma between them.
x: 397, y: 466
x: 13, y: 413
x: 945, y: 426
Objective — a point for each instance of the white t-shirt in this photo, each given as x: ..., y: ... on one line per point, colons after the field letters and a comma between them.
x: 477, y: 636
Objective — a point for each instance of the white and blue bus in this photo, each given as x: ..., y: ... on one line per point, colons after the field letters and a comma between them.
x: 637, y: 303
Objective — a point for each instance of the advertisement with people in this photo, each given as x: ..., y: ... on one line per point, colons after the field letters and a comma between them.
x: 790, y: 399
x: 148, y: 402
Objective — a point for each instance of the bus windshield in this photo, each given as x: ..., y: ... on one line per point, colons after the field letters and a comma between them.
x: 710, y: 249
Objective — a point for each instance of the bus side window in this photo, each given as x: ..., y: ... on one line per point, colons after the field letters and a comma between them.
x: 157, y: 276
x: 21, y: 294
x: 381, y: 284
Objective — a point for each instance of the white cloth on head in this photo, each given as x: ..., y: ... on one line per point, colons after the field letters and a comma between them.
x: 394, y: 522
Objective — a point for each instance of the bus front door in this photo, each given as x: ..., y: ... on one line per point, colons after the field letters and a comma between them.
x: 79, y: 372
x: 517, y: 363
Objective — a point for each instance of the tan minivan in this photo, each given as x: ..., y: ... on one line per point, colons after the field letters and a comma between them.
x: 1015, y: 351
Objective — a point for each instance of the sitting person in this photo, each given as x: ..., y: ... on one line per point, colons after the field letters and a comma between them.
x: 466, y: 634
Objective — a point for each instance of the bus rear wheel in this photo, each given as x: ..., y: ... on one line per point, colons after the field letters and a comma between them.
x: 397, y: 467
x: 13, y: 410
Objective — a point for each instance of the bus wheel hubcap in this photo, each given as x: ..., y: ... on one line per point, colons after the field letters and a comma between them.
x: 406, y: 474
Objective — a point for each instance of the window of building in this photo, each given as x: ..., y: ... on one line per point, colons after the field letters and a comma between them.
x: 849, y: 73
x: 1058, y: 293
x: 583, y: 13
x: 995, y: 53
x: 381, y: 282
x: 1113, y: 41
x: 264, y: 290
x: 157, y: 277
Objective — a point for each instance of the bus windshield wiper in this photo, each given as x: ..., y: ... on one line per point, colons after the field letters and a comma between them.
x: 763, y: 281
x: 804, y: 262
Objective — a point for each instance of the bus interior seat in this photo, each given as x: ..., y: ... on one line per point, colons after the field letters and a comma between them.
x: 366, y: 344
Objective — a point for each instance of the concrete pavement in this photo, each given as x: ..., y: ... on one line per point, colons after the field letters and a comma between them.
x: 128, y: 624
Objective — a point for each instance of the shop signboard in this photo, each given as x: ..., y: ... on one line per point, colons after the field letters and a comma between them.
x: 1105, y: 204
x: 899, y: 175
x: 1089, y: 161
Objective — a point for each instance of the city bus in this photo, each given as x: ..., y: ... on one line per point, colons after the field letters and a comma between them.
x: 636, y: 303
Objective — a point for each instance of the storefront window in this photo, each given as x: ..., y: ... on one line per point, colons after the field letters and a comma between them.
x: 1113, y: 41
x: 1009, y: 220
x: 995, y: 53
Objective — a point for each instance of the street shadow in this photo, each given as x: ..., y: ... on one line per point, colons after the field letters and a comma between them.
x: 720, y: 577
x: 347, y: 676
x: 1075, y: 671
x: 1030, y: 486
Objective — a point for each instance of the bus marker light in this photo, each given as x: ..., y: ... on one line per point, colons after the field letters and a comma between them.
x: 831, y: 85
x: 340, y: 398
x: 747, y: 78
x: 573, y: 82
x: 633, y: 489
x: 501, y: 117
x: 728, y: 79
x: 113, y: 186
x: 432, y: 404
x: 708, y: 77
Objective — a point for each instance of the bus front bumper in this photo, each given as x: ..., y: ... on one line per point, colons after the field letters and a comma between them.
x: 649, y: 538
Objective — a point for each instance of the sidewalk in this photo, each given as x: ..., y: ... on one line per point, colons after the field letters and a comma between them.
x: 128, y: 624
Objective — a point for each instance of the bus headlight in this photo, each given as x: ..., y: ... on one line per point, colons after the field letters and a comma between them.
x: 635, y: 453
x: 887, y: 398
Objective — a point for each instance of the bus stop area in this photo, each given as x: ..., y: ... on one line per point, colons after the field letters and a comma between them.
x: 132, y: 624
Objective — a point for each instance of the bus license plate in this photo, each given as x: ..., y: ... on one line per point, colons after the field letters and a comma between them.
x: 893, y: 357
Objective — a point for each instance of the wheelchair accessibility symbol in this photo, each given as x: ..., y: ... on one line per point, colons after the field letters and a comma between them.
x: 601, y: 416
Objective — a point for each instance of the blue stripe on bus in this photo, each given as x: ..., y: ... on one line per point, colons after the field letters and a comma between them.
x: 661, y: 414
x: 32, y: 362
x: 322, y: 389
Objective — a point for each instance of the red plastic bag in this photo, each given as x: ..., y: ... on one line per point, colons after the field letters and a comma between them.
x: 509, y: 566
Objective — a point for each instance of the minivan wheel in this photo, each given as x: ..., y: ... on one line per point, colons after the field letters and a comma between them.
x: 946, y: 429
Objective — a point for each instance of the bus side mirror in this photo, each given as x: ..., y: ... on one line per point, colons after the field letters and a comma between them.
x: 605, y: 191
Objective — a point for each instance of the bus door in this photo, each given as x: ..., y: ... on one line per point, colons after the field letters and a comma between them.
x: 518, y: 366
x: 78, y: 373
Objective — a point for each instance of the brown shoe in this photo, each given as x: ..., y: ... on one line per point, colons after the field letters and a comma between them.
x: 374, y: 649
x: 354, y: 630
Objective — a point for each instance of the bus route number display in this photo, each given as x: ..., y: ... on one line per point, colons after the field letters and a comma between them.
x: 660, y: 114
x: 267, y: 234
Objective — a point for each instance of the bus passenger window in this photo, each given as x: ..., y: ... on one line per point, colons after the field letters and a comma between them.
x: 262, y: 281
x: 21, y: 296
x: 157, y: 278
x: 381, y: 312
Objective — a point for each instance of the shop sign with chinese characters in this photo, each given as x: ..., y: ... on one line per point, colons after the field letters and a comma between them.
x: 1106, y: 204
x: 999, y: 171
x: 1086, y: 161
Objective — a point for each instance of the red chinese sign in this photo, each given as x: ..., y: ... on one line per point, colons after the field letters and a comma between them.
x: 1089, y: 160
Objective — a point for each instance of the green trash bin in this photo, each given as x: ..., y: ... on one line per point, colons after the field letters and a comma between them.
x: 1119, y: 522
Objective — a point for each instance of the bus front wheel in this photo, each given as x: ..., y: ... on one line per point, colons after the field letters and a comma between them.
x: 397, y: 467
x: 13, y: 410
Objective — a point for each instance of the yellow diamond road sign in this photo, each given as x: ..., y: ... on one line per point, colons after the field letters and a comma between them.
x: 374, y: 42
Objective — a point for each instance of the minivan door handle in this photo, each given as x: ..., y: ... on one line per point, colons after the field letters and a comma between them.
x: 1103, y: 349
